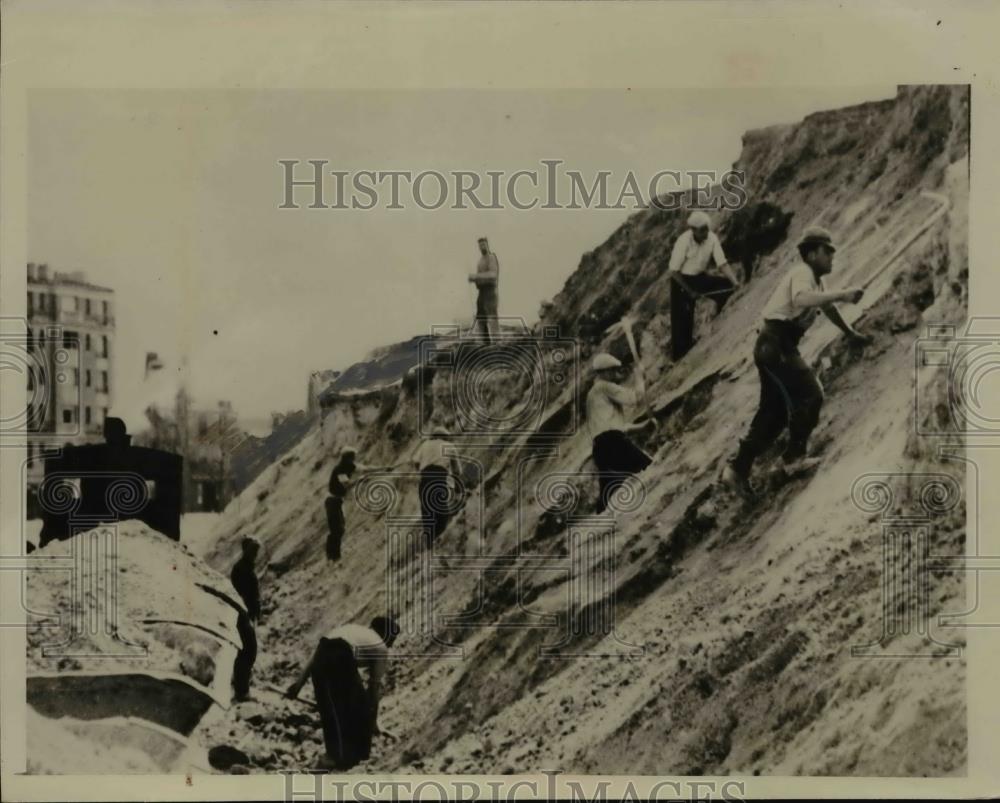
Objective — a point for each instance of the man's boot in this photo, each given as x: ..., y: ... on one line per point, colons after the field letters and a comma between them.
x: 737, y: 481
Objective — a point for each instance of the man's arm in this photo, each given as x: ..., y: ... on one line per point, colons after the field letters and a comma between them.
x: 723, y: 264
x: 677, y: 254
x: 245, y: 582
x: 300, y: 681
x: 813, y: 298
x: 831, y: 312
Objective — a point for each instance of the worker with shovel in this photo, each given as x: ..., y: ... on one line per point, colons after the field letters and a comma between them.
x: 689, y: 281
x: 348, y: 710
x: 790, y: 392
x: 615, y: 456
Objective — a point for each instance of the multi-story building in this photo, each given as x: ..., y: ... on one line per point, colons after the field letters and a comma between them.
x: 70, y: 338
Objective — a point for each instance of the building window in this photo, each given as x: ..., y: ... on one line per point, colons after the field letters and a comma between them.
x: 104, y: 345
x: 31, y: 302
x: 41, y: 302
x: 86, y: 416
x: 86, y: 341
x: 71, y: 340
x: 104, y: 381
x: 76, y: 377
x: 104, y: 310
x: 68, y: 415
x: 88, y: 378
x: 86, y: 306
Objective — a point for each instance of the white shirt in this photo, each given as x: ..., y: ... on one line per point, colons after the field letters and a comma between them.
x: 488, y: 263
x: 432, y: 453
x: 606, y: 403
x: 782, y: 306
x: 369, y: 649
x: 691, y: 257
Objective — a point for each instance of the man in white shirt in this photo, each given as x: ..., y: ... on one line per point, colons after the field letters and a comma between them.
x: 437, y: 467
x: 348, y: 710
x: 615, y: 456
x: 790, y: 392
x: 693, y: 251
x: 486, y: 278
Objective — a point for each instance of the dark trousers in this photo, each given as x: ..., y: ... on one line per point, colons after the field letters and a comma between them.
x: 435, y: 501
x: 682, y: 304
x: 345, y: 709
x: 487, y: 305
x: 246, y: 657
x: 790, y: 395
x: 335, y: 521
x: 616, y: 458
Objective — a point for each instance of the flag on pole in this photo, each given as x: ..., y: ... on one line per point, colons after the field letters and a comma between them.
x: 153, y: 362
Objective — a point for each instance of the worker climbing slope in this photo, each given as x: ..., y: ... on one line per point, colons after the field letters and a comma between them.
x: 790, y: 392
x: 341, y: 479
x: 609, y: 406
x: 244, y: 579
x: 689, y: 279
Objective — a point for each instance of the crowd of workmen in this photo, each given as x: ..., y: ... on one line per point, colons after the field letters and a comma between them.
x: 790, y: 397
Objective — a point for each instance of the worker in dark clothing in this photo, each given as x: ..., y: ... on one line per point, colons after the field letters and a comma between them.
x: 790, y: 392
x: 244, y: 580
x: 348, y: 710
x: 690, y: 280
x: 341, y: 479
x: 438, y: 488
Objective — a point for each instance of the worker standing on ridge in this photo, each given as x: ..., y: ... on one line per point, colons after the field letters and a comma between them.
x: 348, y: 710
x: 790, y: 392
x: 244, y: 580
x: 694, y: 249
x: 486, y: 278
x: 340, y: 480
x: 615, y: 455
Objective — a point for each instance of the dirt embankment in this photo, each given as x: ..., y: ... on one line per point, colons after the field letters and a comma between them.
x: 746, y: 615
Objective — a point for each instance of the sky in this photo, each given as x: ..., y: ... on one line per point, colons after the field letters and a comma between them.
x: 171, y: 198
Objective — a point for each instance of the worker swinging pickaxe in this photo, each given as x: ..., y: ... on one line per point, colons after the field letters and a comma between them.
x: 625, y: 325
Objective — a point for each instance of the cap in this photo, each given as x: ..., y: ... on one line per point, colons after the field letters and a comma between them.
x: 603, y: 361
x: 817, y: 235
x: 482, y: 240
x: 249, y: 541
x: 348, y: 450
x: 697, y: 219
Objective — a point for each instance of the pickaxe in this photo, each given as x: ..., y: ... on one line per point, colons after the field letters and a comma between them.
x: 625, y: 325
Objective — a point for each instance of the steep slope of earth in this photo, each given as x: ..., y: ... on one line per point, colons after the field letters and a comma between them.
x: 699, y: 634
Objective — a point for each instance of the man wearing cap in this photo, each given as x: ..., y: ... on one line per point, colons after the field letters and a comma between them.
x: 615, y: 455
x: 348, y: 710
x: 244, y: 580
x: 689, y: 260
x: 790, y: 392
x: 486, y: 278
